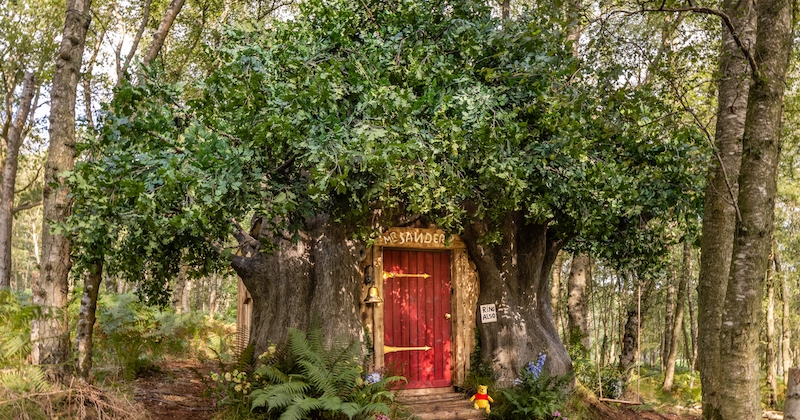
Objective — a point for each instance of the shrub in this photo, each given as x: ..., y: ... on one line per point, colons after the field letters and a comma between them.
x: 535, y: 395
x: 305, y: 380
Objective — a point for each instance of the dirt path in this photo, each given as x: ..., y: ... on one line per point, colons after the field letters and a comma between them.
x: 175, y: 392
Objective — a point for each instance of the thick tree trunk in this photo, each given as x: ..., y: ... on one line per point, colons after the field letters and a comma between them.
x: 163, y: 29
x: 50, y: 334
x: 86, y: 320
x: 791, y: 410
x: 315, y: 280
x: 719, y: 217
x: 580, y: 275
x: 515, y: 277
x: 14, y: 142
x: 677, y: 322
x: 772, y: 360
x: 739, y: 336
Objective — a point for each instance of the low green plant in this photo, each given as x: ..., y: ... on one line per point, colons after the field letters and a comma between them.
x: 305, y: 380
x: 16, y: 314
x: 135, y: 336
x: 535, y: 395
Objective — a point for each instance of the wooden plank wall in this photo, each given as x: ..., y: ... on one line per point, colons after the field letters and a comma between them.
x: 244, y: 317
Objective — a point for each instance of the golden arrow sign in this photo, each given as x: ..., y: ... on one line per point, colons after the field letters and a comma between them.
x: 390, y: 349
x: 393, y: 275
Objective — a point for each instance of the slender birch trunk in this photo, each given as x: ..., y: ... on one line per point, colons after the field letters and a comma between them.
x: 14, y: 142
x: 163, y: 29
x: 772, y: 368
x: 50, y: 333
x: 669, y: 317
x: 786, y: 329
x: 677, y: 322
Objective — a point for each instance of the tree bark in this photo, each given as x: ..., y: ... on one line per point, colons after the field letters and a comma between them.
x: 630, y: 343
x: 692, y: 332
x: 669, y: 318
x: 580, y: 275
x: 791, y: 409
x: 515, y: 277
x: 720, y: 217
x: 163, y: 29
x: 14, y: 142
x: 50, y: 333
x: 772, y: 362
x: 786, y: 329
x: 555, y: 288
x: 317, y: 279
x: 739, y: 337
x: 182, y: 286
x: 677, y: 323
x: 86, y: 320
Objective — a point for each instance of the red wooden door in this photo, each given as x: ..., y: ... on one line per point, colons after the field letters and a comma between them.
x: 416, y: 289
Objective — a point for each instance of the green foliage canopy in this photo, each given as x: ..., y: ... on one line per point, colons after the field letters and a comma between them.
x: 411, y: 108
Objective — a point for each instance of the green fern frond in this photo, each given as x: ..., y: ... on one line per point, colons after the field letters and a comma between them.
x: 272, y: 374
x: 319, y: 376
x: 372, y: 409
x: 283, y: 395
x: 300, y: 409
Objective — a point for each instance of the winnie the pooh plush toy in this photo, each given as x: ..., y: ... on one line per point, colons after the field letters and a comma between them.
x: 482, y: 399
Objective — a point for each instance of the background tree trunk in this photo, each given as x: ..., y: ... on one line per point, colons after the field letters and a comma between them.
x: 580, y: 275
x: 669, y: 318
x: 555, y: 289
x: 50, y: 334
x: 772, y: 361
x: 719, y: 216
x: 739, y: 336
x: 515, y: 276
x: 786, y: 329
x: 630, y: 343
x: 317, y: 279
x: 86, y: 320
x: 163, y: 29
x: 15, y: 137
x: 677, y: 323
x: 791, y: 410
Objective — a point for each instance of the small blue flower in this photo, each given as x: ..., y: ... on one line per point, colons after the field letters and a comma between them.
x: 535, y: 368
x: 518, y: 381
x: 373, y: 378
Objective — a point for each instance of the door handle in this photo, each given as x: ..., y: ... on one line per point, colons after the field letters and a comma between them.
x: 391, y: 349
x: 447, y: 316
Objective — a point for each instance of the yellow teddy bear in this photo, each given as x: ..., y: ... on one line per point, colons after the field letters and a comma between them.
x: 482, y: 399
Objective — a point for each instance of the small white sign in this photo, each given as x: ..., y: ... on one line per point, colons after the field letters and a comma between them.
x: 488, y: 313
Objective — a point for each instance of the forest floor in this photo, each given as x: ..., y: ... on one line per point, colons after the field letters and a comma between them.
x: 176, y: 391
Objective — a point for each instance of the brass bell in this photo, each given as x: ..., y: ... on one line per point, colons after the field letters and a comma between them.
x: 372, y: 296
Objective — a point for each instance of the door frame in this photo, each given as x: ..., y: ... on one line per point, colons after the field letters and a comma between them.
x: 464, y: 287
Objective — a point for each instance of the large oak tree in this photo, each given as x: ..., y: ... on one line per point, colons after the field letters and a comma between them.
x: 355, y: 116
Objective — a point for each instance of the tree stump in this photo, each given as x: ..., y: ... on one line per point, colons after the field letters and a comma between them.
x: 792, y: 409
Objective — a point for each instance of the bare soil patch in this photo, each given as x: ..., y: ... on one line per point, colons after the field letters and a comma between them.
x: 176, y: 391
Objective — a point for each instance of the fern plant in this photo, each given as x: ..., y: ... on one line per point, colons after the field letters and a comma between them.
x: 307, y: 380
x: 16, y: 314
